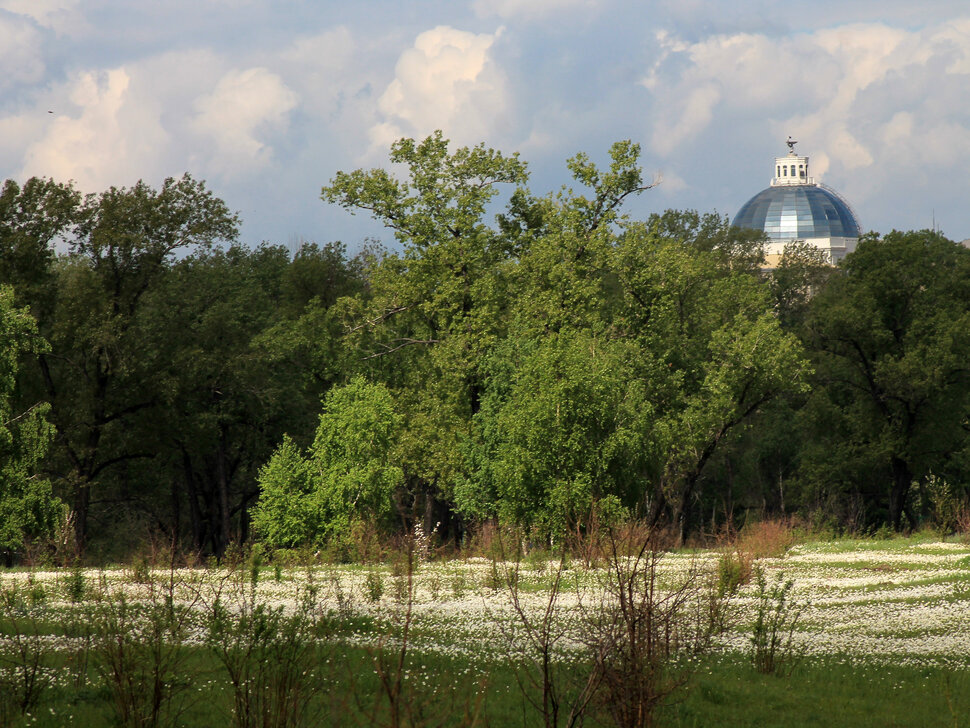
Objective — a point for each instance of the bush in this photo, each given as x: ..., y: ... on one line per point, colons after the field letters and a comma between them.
x: 139, y: 651
x: 646, y: 636
x: 270, y: 658
x: 772, y: 640
x: 766, y: 538
x: 733, y: 571
x: 346, y: 477
x: 25, y: 657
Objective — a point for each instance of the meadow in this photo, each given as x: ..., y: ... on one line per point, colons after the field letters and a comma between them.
x: 850, y: 632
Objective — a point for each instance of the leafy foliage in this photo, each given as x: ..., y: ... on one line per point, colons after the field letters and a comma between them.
x: 542, y: 360
x: 563, y: 427
x: 28, y: 508
x: 345, y: 478
x: 891, y: 338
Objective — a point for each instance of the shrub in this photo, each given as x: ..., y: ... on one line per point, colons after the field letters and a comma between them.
x: 374, y: 583
x: 770, y: 538
x: 556, y: 688
x: 641, y: 638
x: 270, y: 658
x: 733, y: 570
x: 963, y: 522
x: 25, y: 655
x: 138, y: 649
x: 75, y: 584
x: 772, y: 641
x: 345, y: 478
x: 646, y: 637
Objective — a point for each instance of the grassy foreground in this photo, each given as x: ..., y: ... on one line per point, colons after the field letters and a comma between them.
x: 882, y: 638
x: 725, y: 692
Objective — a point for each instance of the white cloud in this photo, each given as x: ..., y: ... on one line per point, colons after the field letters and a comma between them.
x: 859, y: 97
x: 323, y: 66
x: 20, y: 54
x: 695, y: 115
x: 530, y: 9
x: 236, y: 116
x: 898, y: 129
x: 59, y: 15
x: 447, y: 81
x: 671, y: 183
x: 16, y: 132
x: 250, y: 98
x: 116, y: 126
x: 101, y: 139
x: 880, y: 108
x: 334, y: 74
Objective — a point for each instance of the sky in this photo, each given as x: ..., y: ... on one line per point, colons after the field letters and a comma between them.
x: 266, y: 100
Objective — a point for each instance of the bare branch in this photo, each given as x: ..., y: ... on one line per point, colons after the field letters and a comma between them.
x: 400, y: 344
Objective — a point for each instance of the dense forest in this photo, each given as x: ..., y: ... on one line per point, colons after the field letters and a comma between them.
x: 539, y: 361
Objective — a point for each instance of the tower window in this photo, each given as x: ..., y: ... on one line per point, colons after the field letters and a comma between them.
x: 793, y: 170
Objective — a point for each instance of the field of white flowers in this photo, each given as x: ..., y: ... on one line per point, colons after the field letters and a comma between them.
x: 903, y: 601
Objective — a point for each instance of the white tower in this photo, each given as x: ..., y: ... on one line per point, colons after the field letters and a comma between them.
x: 791, y: 169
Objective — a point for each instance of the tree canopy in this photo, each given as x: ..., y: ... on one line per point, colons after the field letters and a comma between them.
x: 891, y: 338
x: 533, y: 359
x: 28, y: 508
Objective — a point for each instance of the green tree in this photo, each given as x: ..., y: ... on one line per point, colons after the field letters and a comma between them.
x: 28, y: 508
x: 100, y: 373
x: 565, y: 419
x: 712, y: 350
x: 495, y: 338
x: 433, y: 311
x: 564, y: 428
x: 801, y: 274
x: 32, y: 218
x: 891, y: 339
x: 222, y: 402
x: 321, y: 286
x: 634, y: 351
x: 687, y: 351
x: 346, y: 477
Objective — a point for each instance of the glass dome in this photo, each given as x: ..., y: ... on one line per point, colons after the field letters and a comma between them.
x: 798, y: 212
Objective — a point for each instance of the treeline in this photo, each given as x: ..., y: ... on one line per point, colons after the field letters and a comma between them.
x: 545, y: 362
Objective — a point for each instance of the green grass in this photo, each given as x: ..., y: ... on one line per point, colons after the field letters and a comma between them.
x: 823, y: 693
x: 724, y: 692
x: 454, y: 656
x: 346, y: 690
x: 922, y: 540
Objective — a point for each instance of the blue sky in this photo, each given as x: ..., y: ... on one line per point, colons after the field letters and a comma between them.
x: 267, y: 100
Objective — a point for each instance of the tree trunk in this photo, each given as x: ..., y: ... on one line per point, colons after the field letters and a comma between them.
x: 195, y: 518
x: 680, y: 517
x: 176, y: 514
x: 82, y: 505
x: 657, y: 505
x: 902, y: 479
x: 222, y: 475
x: 428, y: 518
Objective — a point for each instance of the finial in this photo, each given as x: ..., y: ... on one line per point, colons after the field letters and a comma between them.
x: 791, y: 145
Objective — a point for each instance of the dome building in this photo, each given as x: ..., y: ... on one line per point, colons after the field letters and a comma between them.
x: 795, y: 207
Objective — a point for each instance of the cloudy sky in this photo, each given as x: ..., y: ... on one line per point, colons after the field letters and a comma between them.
x: 266, y: 99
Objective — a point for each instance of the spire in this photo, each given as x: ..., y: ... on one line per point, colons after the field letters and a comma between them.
x: 792, y: 169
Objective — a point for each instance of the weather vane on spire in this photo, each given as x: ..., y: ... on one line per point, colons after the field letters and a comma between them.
x: 791, y: 145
